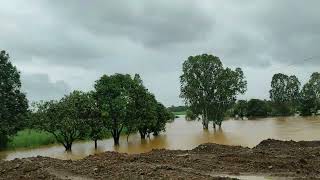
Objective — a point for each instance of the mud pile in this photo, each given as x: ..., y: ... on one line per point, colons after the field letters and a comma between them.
x: 270, y: 158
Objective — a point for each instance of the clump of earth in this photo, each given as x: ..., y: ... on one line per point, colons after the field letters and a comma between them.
x: 271, y: 158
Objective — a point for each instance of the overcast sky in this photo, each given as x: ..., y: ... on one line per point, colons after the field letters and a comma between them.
x: 60, y: 46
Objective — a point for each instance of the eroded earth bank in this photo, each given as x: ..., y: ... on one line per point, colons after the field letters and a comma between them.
x: 271, y: 158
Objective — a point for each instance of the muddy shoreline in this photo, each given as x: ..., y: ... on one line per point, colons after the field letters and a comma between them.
x: 271, y: 158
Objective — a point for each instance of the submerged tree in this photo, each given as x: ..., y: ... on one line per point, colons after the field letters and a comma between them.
x: 146, y: 115
x: 241, y: 109
x: 190, y: 116
x: 257, y: 108
x: 113, y: 95
x: 13, y: 103
x: 209, y: 89
x: 284, y: 93
x: 162, y: 117
x: 94, y: 121
x: 64, y: 119
x: 310, y: 95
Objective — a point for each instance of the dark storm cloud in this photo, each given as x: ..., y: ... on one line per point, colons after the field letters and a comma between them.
x: 77, y: 40
x: 154, y: 24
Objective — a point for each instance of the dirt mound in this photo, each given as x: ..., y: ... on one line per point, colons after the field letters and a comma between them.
x: 208, y: 161
x: 272, y: 143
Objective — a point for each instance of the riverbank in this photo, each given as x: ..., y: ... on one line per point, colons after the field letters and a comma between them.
x: 271, y: 158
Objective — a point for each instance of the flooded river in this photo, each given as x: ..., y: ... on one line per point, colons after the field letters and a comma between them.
x: 182, y: 134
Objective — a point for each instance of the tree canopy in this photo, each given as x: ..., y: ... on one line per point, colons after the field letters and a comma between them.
x: 209, y: 89
x: 284, y: 93
x: 310, y: 95
x: 113, y: 95
x: 13, y: 103
x: 258, y: 108
x: 66, y: 118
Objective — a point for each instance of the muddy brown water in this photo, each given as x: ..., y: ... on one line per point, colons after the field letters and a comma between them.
x: 182, y: 134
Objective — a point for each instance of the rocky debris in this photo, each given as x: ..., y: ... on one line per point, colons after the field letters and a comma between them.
x: 207, y: 161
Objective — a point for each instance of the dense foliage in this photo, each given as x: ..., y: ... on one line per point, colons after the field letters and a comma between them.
x: 119, y: 102
x: 13, y: 103
x: 178, y: 108
x: 284, y: 94
x: 209, y: 89
x: 65, y: 119
x: 310, y: 96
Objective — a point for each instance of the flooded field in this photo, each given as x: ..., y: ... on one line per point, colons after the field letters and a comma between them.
x: 184, y: 135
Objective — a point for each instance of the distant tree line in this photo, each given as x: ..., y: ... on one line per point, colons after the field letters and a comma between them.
x: 119, y: 103
x: 177, y: 108
x: 287, y: 98
x: 210, y: 93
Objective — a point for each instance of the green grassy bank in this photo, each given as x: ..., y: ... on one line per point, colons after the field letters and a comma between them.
x: 179, y: 113
x: 30, y: 138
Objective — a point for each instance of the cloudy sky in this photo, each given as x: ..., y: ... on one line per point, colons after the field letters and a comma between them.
x: 60, y: 46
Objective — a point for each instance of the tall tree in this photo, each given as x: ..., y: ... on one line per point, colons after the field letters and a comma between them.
x: 94, y: 120
x: 13, y: 103
x: 284, y: 93
x: 209, y: 89
x: 310, y: 95
x: 113, y: 95
x: 146, y: 114
x: 64, y: 118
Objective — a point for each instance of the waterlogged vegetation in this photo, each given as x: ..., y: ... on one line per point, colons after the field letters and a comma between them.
x: 120, y: 104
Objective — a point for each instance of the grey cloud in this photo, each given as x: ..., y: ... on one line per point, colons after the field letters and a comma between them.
x: 153, y: 24
x: 153, y: 38
x: 39, y: 87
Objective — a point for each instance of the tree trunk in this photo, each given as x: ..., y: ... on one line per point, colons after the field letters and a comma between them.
x: 95, y: 144
x: 116, y: 136
x: 205, y: 124
x: 156, y: 134
x: 205, y: 121
x: 116, y: 140
x: 143, y: 135
x: 220, y: 124
x: 68, y: 147
x: 214, y: 125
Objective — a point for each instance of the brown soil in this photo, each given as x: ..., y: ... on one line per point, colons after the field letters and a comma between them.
x: 286, y: 159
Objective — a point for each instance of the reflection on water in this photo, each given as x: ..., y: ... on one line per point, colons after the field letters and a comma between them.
x: 183, y: 134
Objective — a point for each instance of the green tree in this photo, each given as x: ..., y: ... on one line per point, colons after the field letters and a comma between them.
x: 13, y: 103
x: 209, y: 89
x: 310, y: 95
x: 190, y: 116
x: 146, y: 114
x: 162, y: 117
x: 257, y: 108
x: 284, y: 93
x: 64, y: 118
x: 94, y: 120
x: 114, y: 96
x: 241, y: 109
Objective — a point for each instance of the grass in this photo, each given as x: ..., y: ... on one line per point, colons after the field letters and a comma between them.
x: 179, y: 113
x: 30, y: 138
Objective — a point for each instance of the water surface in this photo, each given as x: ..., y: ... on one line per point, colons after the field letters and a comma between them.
x: 182, y: 134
